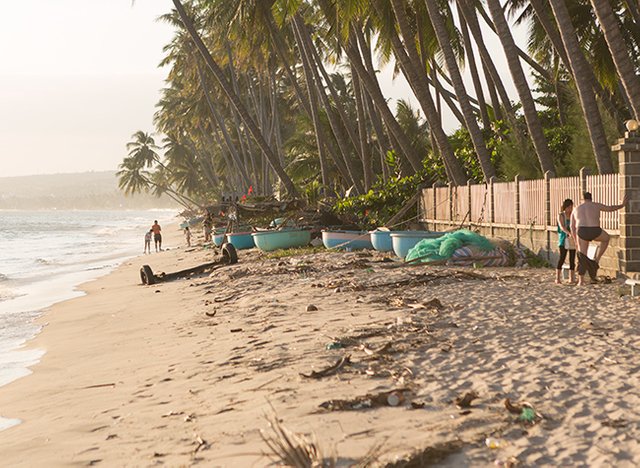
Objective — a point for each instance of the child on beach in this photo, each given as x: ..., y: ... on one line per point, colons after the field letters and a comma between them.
x: 147, y: 241
x: 565, y: 242
x: 187, y: 236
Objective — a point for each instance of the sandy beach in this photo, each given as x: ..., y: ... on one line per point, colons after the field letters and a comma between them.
x: 360, y: 356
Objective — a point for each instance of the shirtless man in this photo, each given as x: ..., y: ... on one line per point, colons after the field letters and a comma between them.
x: 585, y: 227
x: 157, y: 235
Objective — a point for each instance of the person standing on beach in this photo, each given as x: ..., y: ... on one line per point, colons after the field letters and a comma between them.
x: 187, y: 236
x: 157, y: 235
x: 585, y: 228
x: 147, y: 241
x: 565, y: 241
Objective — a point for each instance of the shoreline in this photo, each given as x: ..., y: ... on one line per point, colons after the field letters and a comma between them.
x: 189, y: 371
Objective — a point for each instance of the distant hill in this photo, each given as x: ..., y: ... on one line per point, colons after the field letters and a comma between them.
x: 83, y: 191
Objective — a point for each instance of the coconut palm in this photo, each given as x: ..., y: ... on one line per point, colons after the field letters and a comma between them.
x: 578, y: 65
x: 520, y: 82
x: 627, y: 70
x: 234, y: 99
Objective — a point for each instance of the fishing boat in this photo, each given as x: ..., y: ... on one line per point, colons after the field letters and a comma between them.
x: 381, y: 240
x: 346, y: 240
x: 268, y: 241
x: 218, y: 236
x: 403, y: 241
x: 241, y: 240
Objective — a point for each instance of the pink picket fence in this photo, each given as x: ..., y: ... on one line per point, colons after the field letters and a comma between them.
x: 526, y: 203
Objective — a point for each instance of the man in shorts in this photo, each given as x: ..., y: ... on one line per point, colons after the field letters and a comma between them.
x: 157, y: 236
x: 585, y: 228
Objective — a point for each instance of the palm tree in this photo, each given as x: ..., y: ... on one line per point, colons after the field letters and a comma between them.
x: 626, y: 69
x: 235, y: 100
x: 528, y: 106
x: 440, y: 29
x: 578, y: 65
x: 143, y: 149
x: 415, y: 74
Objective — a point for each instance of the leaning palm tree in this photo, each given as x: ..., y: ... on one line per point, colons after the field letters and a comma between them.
x: 522, y: 87
x: 625, y: 67
x: 578, y: 65
x: 235, y: 100
x: 437, y: 17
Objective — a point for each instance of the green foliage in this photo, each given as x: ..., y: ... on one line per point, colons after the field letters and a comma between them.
x: 377, y: 206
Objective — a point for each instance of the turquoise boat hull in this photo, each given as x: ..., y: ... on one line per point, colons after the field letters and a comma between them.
x: 403, y: 241
x: 218, y: 237
x: 381, y: 240
x: 268, y: 241
x: 241, y: 240
x: 346, y: 240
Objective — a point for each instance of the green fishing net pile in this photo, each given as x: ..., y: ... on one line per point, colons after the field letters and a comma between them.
x: 442, y: 248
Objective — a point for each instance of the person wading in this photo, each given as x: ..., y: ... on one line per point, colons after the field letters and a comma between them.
x: 585, y: 228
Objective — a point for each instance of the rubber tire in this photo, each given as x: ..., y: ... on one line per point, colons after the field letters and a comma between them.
x: 229, y: 254
x: 147, y: 276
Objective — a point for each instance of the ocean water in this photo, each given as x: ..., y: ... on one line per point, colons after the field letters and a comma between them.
x: 44, y: 256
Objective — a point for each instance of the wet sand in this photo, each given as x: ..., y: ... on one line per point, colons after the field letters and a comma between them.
x: 189, y: 372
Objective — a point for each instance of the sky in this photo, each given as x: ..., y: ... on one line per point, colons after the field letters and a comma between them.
x: 79, y: 77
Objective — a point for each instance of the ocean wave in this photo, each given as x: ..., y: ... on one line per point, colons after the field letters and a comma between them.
x: 3, y: 277
x: 44, y: 261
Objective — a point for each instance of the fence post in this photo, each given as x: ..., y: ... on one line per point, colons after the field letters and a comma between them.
x: 583, y: 180
x: 628, y: 149
x: 516, y: 179
x: 469, y: 200
x: 450, y: 203
x: 492, y: 206
x: 435, y: 206
x: 547, y: 211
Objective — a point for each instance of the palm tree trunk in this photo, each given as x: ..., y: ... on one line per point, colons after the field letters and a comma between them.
x: 280, y: 49
x: 315, y: 117
x: 235, y: 100
x: 371, y: 85
x: 220, y: 123
x: 542, y: 13
x: 489, y: 67
x: 528, y: 106
x: 473, y: 70
x: 440, y: 29
x: 381, y: 136
x: 367, y: 169
x: 617, y: 46
x: 336, y: 128
x: 314, y: 58
x: 579, y: 66
x: 419, y: 85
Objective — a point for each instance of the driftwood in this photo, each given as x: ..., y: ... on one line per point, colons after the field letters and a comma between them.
x: 340, y: 363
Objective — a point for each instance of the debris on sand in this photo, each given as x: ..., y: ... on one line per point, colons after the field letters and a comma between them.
x: 465, y: 400
x: 340, y: 363
x: 388, y: 398
x: 525, y: 411
x: 428, y: 456
x: 291, y: 449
